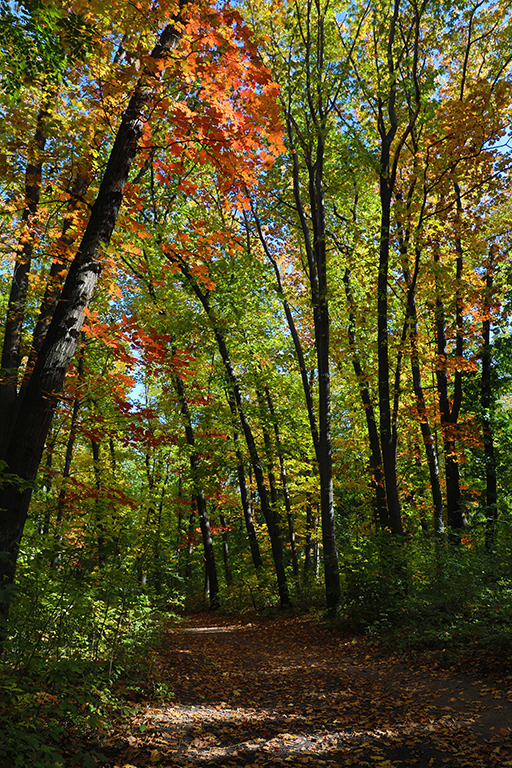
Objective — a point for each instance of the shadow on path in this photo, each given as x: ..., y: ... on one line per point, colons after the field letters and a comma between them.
x: 287, y: 691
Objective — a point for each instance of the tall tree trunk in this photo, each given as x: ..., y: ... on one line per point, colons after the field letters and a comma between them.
x: 491, y: 494
x: 225, y: 550
x: 58, y: 271
x: 387, y: 436
x: 25, y: 440
x: 157, y: 555
x: 449, y: 415
x: 244, y: 497
x: 190, y: 545
x: 377, y: 476
x: 11, y: 350
x: 315, y: 246
x: 310, y: 549
x: 387, y: 125
x: 284, y: 485
x: 295, y: 338
x: 209, y: 555
x: 99, y: 503
x: 428, y: 440
x: 269, y: 512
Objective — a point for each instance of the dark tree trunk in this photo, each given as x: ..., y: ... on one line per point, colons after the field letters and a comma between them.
x: 244, y: 497
x: 311, y: 523
x: 24, y: 442
x: 225, y: 550
x: 449, y: 415
x: 58, y: 271
x: 11, y: 350
x: 428, y: 440
x: 491, y: 493
x: 284, y: 484
x: 209, y: 555
x: 190, y: 545
x: 99, y: 503
x: 377, y: 476
x: 295, y: 338
x: 269, y: 512
x: 315, y: 246
x: 387, y: 124
x: 387, y: 436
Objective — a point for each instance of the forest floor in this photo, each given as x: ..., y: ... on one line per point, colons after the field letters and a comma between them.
x: 286, y: 691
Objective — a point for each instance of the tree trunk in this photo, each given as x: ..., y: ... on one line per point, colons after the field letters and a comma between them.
x: 244, y: 497
x: 25, y: 440
x: 377, y: 476
x: 284, y: 484
x: 225, y: 551
x: 11, y: 350
x: 449, y: 415
x: 99, y: 504
x: 269, y: 513
x: 491, y: 494
x: 315, y: 246
x: 209, y: 555
x: 428, y: 440
x: 387, y: 437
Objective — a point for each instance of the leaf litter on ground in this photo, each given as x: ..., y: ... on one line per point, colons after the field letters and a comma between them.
x: 289, y: 690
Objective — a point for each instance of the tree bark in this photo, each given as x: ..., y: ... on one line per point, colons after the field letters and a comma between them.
x: 491, y: 492
x: 209, y: 555
x: 269, y: 512
x: 24, y: 442
x: 225, y: 550
x: 284, y: 485
x: 377, y: 476
x: 428, y: 440
x: 11, y: 350
x: 315, y: 247
x: 449, y: 415
x: 244, y: 497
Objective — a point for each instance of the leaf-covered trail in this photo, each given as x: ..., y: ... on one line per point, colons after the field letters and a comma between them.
x: 287, y: 691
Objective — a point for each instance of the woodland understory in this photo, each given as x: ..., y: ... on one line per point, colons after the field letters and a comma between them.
x: 255, y: 386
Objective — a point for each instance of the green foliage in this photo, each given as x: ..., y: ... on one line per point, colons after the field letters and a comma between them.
x: 39, y: 41
x: 80, y: 635
x: 456, y: 599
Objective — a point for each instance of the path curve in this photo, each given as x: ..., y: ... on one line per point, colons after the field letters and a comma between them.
x: 289, y: 691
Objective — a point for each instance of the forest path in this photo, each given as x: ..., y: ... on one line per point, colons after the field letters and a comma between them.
x: 288, y: 691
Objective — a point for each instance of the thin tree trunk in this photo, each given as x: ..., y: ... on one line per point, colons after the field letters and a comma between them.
x: 158, y: 532
x: 190, y: 545
x: 99, y: 504
x: 209, y: 555
x: 387, y: 438
x: 428, y: 440
x: 244, y: 497
x: 449, y: 415
x: 317, y: 263
x: 309, y: 554
x: 269, y: 512
x: 284, y: 484
x: 377, y: 476
x: 491, y: 493
x: 295, y: 338
x: 225, y: 550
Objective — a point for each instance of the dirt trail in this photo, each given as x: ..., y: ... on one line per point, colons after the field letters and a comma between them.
x: 285, y: 692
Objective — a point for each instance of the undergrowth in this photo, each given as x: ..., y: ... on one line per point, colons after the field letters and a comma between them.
x: 78, y: 657
x: 454, y: 601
